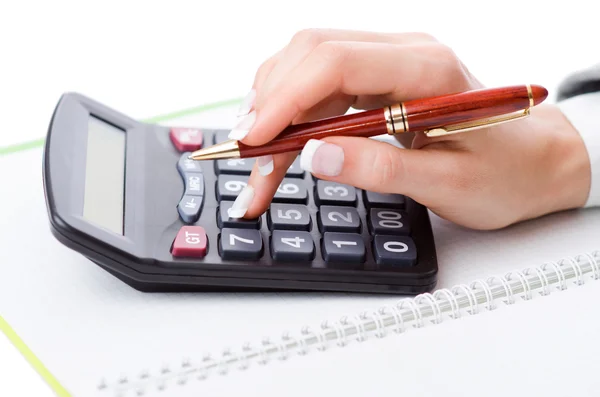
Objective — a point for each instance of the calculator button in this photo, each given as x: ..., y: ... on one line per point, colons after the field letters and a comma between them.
x: 230, y: 186
x: 292, y: 245
x: 295, y: 171
x: 186, y: 164
x: 224, y: 221
x: 190, y: 242
x: 291, y: 191
x: 343, y: 247
x: 388, y: 221
x: 383, y: 200
x: 220, y: 136
x: 186, y: 139
x: 288, y: 217
x: 394, y: 250
x: 189, y: 208
x: 194, y: 184
x: 338, y: 219
x: 234, y: 166
x: 240, y: 244
x: 333, y: 193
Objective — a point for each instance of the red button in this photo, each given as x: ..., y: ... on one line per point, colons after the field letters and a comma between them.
x: 186, y: 139
x: 190, y: 242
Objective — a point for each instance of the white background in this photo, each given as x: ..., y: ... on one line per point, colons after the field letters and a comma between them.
x: 147, y: 58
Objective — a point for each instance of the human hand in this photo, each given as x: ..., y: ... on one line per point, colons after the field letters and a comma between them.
x: 484, y: 179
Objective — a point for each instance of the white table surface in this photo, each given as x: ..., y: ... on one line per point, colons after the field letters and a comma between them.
x: 148, y: 59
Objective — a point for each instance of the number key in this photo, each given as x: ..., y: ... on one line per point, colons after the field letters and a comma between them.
x: 333, y: 193
x: 288, y: 217
x: 240, y: 244
x: 388, y: 221
x: 230, y: 186
x: 394, y: 251
x: 343, y: 247
x: 291, y: 191
x: 338, y: 219
x: 291, y: 245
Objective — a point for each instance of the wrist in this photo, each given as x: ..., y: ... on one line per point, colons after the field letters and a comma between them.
x: 564, y: 169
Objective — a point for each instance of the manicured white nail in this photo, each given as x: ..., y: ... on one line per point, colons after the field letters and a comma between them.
x: 265, y: 164
x: 242, y: 202
x: 243, y: 126
x: 247, y: 103
x: 322, y: 158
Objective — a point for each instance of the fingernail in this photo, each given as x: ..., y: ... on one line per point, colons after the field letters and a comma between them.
x: 247, y: 103
x: 265, y: 164
x: 241, y: 203
x: 243, y: 126
x: 322, y: 158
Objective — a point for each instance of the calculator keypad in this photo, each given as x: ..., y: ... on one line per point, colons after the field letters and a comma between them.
x: 352, y: 226
x: 243, y: 244
x: 332, y: 193
x: 292, y: 245
x: 288, y: 217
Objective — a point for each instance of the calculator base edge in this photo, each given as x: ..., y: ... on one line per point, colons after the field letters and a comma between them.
x: 150, y: 283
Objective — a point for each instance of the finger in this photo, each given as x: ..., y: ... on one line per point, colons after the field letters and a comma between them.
x: 266, y: 178
x: 398, y: 72
x: 255, y: 198
x: 424, y: 175
x: 305, y: 41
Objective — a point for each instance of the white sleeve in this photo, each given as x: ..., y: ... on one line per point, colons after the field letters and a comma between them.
x: 583, y: 111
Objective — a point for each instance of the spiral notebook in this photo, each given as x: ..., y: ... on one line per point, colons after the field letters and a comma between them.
x: 514, y: 314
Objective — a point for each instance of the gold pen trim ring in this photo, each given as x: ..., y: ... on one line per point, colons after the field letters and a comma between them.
x: 530, y: 95
x: 395, y: 119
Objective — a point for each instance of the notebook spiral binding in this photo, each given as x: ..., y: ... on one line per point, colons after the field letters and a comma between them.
x: 408, y: 313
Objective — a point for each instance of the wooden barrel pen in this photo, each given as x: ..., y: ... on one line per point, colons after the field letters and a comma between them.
x: 440, y: 115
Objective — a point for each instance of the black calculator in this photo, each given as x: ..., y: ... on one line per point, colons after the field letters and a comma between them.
x: 124, y: 194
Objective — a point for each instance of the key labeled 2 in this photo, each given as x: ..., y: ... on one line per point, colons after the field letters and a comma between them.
x: 333, y: 218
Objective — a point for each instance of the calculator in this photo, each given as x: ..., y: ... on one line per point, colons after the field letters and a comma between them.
x: 125, y: 195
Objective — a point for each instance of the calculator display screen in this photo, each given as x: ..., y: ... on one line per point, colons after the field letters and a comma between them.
x: 104, y: 175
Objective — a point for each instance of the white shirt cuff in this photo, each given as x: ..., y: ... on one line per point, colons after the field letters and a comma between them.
x: 583, y: 111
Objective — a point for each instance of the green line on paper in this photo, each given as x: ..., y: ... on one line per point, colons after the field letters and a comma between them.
x: 37, y: 143
x: 31, y: 358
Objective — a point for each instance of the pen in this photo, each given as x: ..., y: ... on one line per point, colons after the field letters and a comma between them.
x: 434, y: 116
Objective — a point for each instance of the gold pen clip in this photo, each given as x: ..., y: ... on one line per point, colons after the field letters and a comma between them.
x: 477, y: 124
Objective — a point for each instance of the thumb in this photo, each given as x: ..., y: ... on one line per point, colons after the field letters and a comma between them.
x: 426, y: 176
